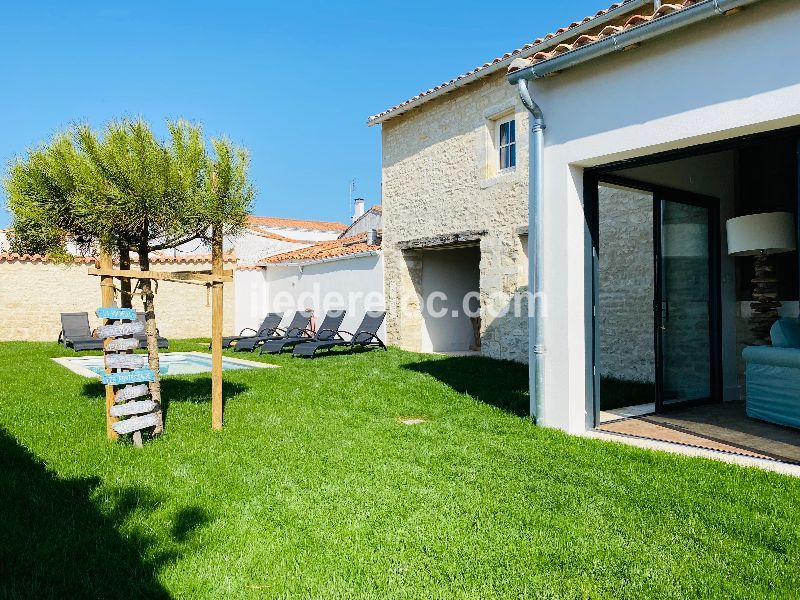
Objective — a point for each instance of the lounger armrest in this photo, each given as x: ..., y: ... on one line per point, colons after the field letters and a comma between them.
x: 295, y: 332
x: 337, y: 334
x: 358, y: 333
x: 60, y: 337
x: 248, y: 329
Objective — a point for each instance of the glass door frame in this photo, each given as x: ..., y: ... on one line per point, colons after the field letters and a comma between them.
x: 659, y: 194
x: 591, y: 177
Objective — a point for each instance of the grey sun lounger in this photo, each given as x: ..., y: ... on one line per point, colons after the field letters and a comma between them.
x: 269, y: 326
x: 75, y: 332
x: 328, y: 330
x: 142, y: 337
x: 296, y: 329
x: 365, y: 336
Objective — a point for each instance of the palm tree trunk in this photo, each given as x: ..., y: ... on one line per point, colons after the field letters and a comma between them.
x: 150, y: 329
x: 126, y: 299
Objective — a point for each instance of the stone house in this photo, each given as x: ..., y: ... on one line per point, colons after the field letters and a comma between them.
x: 622, y: 143
x: 456, y: 217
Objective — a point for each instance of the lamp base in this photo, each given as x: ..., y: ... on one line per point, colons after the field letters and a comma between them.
x: 765, y: 301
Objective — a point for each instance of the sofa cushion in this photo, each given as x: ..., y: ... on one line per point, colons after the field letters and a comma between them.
x: 785, y: 333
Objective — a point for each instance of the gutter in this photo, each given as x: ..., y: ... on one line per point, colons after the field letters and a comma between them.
x: 316, y: 261
x: 479, y: 73
x: 522, y: 78
x: 627, y: 38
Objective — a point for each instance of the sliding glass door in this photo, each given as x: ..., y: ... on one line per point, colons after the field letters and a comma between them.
x: 686, y: 338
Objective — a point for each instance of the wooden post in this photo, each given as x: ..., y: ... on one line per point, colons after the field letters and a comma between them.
x: 216, y: 328
x: 105, y: 261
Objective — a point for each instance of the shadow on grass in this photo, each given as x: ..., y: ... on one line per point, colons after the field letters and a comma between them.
x: 57, y: 544
x: 618, y: 393
x: 195, y: 391
x: 501, y: 383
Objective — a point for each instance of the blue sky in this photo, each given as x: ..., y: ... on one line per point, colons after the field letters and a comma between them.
x: 292, y: 81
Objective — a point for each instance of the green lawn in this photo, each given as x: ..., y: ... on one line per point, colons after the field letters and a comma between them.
x: 315, y: 490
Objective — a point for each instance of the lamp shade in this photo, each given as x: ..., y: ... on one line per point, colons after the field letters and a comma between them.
x: 764, y: 233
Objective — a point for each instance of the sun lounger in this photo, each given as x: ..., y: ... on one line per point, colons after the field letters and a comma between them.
x: 142, y: 337
x: 328, y: 330
x: 269, y: 326
x: 297, y: 329
x: 75, y: 332
x: 365, y: 336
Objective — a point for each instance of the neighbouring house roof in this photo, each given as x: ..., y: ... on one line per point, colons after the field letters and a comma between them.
x: 375, y: 209
x: 356, y: 244
x: 274, y: 236
x: 154, y: 258
x: 296, y: 224
x: 590, y: 29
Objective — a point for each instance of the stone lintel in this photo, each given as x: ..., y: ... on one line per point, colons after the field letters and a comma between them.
x: 461, y: 238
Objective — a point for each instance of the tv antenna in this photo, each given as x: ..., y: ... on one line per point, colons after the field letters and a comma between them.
x: 350, y: 201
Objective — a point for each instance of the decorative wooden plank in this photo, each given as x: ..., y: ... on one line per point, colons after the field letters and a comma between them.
x: 138, y: 376
x: 138, y: 407
x: 121, y: 344
x: 136, y: 423
x: 116, y: 314
x: 126, y: 361
x: 132, y: 391
x: 107, y: 331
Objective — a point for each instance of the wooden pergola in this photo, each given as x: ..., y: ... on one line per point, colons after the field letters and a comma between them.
x: 216, y: 277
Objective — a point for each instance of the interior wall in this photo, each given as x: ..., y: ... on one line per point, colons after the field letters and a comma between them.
x: 450, y: 274
x: 711, y: 175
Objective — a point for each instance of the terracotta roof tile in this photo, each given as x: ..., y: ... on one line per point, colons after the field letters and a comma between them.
x: 329, y: 249
x: 529, y: 54
x: 584, y: 40
x: 297, y: 223
x: 89, y: 260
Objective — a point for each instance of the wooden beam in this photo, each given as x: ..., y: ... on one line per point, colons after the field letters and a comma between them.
x: 105, y: 262
x: 461, y: 238
x: 216, y: 328
x: 221, y: 276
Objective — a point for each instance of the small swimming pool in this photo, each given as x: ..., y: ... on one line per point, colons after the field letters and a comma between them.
x: 170, y: 363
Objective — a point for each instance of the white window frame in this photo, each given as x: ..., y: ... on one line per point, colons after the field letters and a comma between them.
x: 499, y: 122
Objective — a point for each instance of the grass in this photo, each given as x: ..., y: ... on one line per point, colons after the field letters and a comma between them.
x: 316, y: 489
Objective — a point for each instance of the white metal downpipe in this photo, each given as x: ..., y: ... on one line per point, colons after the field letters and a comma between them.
x: 536, y: 347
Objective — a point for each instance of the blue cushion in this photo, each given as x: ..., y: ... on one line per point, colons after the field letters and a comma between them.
x: 785, y: 333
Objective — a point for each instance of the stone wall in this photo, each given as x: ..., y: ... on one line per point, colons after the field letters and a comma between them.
x: 626, y: 290
x: 439, y: 178
x: 33, y: 293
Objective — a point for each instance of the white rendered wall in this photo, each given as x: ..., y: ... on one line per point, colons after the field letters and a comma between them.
x: 708, y: 82
x: 355, y: 284
x: 251, y: 298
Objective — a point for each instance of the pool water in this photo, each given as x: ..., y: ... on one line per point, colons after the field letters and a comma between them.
x: 170, y: 363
